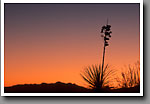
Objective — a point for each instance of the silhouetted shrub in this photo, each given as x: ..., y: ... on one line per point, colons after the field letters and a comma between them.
x: 130, y: 77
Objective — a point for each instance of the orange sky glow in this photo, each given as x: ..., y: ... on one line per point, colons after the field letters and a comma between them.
x: 55, y: 42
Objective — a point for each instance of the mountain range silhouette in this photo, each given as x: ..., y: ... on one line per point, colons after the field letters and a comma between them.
x: 57, y: 87
x: 60, y: 87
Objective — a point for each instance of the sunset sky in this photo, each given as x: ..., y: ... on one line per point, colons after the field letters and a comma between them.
x: 55, y: 42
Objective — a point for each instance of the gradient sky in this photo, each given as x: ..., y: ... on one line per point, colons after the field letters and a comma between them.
x: 55, y: 42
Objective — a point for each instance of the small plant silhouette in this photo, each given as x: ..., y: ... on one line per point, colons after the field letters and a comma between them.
x: 96, y: 77
x: 130, y: 77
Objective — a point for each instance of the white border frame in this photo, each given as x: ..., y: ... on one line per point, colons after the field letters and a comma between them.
x: 71, y: 94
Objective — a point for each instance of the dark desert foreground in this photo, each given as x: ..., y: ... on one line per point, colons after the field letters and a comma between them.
x: 60, y: 87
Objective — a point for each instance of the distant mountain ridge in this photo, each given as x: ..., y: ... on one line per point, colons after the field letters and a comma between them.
x: 58, y: 87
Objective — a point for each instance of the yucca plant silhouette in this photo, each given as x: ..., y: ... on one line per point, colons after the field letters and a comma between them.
x: 97, y: 78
